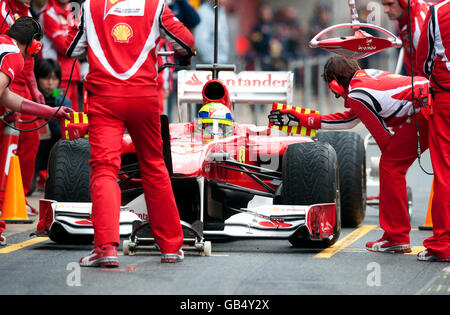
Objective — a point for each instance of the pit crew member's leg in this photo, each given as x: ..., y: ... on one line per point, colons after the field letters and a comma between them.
x: 395, y: 160
x: 439, y: 243
x: 106, y: 131
x: 143, y: 124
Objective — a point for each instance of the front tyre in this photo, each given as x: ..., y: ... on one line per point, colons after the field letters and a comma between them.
x: 68, y: 171
x: 310, y: 176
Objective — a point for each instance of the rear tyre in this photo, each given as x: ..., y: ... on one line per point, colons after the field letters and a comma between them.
x: 349, y: 147
x: 310, y: 176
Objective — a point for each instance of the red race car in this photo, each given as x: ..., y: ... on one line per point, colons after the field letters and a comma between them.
x: 233, y: 180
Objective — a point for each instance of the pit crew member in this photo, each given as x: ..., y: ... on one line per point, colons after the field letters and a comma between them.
x: 121, y: 40
x: 379, y: 100
x: 25, y: 85
x: 56, y: 20
x: 432, y: 59
x: 397, y: 10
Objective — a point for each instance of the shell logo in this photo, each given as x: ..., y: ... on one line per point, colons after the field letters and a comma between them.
x: 122, y: 32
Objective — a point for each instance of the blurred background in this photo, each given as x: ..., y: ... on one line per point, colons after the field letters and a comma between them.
x: 273, y: 35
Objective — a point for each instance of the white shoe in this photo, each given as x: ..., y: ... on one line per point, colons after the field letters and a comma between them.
x: 2, y: 240
x: 172, y: 257
x: 427, y: 256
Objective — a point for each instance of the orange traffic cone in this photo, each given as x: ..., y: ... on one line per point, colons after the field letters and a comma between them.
x: 428, y: 221
x: 14, y: 206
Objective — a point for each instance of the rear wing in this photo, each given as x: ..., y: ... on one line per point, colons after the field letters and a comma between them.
x: 247, y: 87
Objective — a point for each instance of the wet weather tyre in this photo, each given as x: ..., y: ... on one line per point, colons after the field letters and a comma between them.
x: 69, y: 171
x: 310, y: 176
x: 349, y: 147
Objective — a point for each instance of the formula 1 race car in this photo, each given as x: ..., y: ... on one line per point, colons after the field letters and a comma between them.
x: 255, y: 182
x: 247, y: 181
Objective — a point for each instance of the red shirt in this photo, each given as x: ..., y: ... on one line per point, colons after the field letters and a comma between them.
x: 419, y: 10
x: 10, y: 11
x: 11, y: 60
x: 121, y: 40
x: 56, y: 22
x: 379, y: 100
x: 433, y: 51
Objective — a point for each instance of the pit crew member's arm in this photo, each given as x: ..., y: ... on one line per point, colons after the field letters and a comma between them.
x: 340, y: 121
x: 425, y: 48
x: 370, y: 118
x: 53, y: 31
x: 18, y: 104
x: 31, y: 81
x: 76, y: 41
x: 336, y: 121
x: 178, y: 35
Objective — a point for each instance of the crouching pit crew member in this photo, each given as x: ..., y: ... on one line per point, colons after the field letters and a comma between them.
x: 121, y: 39
x: 379, y: 100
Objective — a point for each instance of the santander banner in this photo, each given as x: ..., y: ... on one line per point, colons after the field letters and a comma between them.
x: 246, y: 81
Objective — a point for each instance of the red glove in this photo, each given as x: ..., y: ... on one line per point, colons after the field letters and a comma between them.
x: 56, y: 113
x: 293, y: 118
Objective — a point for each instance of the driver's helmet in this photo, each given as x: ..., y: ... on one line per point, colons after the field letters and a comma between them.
x: 215, y: 120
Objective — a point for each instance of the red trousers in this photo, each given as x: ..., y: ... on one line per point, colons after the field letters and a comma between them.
x: 439, y: 243
x: 108, y: 118
x: 395, y: 160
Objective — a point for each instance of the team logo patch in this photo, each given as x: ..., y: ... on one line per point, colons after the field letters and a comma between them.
x: 122, y: 32
x: 124, y: 8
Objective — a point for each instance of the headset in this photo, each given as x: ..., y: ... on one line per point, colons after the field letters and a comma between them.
x: 34, y: 46
x: 334, y: 86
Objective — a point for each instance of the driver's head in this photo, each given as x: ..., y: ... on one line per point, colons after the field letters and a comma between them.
x: 215, y: 120
x: 338, y: 72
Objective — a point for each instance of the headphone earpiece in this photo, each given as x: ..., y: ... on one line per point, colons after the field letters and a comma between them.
x: 34, y: 48
x: 336, y: 88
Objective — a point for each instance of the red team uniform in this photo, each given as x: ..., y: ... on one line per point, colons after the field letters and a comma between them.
x: 11, y: 64
x: 380, y: 100
x: 25, y: 85
x: 419, y: 10
x: 11, y: 60
x: 56, y: 22
x: 433, y: 61
x: 121, y: 39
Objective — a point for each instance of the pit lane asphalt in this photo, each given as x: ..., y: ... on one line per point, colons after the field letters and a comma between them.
x: 240, y: 267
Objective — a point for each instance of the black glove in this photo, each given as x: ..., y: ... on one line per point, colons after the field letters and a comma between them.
x: 282, y: 119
